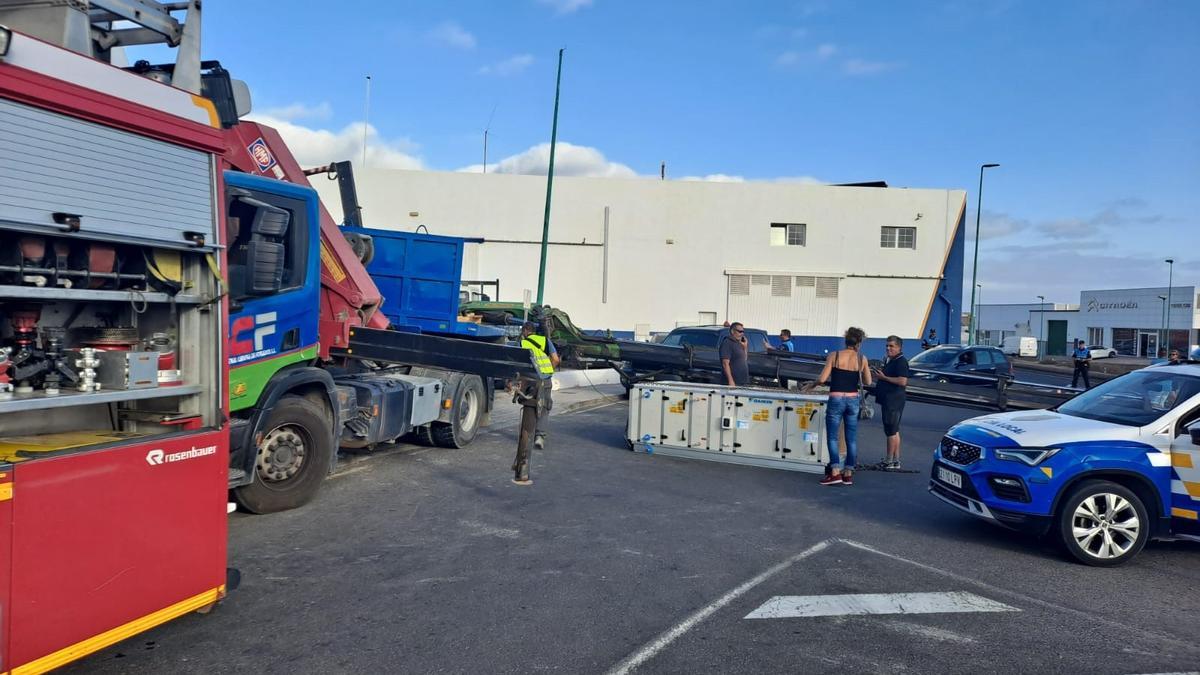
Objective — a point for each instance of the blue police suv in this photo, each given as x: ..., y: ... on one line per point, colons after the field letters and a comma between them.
x: 1103, y: 472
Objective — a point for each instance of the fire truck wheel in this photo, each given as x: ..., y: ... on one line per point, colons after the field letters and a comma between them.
x: 465, y: 415
x: 293, y: 457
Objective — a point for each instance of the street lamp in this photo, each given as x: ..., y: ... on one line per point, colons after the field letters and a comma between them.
x: 1170, y: 282
x: 1041, y: 322
x: 978, y: 309
x: 975, y: 259
x: 1164, y: 313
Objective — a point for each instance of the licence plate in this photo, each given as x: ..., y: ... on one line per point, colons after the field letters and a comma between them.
x: 950, y: 477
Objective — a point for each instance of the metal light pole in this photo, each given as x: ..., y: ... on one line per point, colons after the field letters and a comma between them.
x: 1041, y: 323
x: 1170, y: 282
x: 366, y: 118
x: 975, y: 259
x: 978, y: 309
x: 549, y: 182
x: 1164, y: 313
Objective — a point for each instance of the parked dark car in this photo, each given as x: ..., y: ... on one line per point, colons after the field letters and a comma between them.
x: 943, y: 363
x: 709, y: 337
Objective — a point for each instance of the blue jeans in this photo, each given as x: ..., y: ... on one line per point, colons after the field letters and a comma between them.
x: 842, y: 408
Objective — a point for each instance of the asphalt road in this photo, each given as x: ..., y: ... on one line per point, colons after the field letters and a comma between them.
x: 614, y: 561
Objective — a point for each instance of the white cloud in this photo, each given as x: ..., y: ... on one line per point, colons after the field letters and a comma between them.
x: 569, y: 160
x: 865, y: 67
x: 298, y: 111
x: 508, y: 67
x: 716, y: 178
x: 317, y: 147
x: 566, y: 6
x: 808, y: 180
x: 995, y: 225
x: 793, y: 57
x: 788, y: 58
x: 727, y: 178
x: 1114, y: 216
x: 451, y: 34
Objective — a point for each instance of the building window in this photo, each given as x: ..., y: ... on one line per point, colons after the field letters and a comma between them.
x: 1124, y: 340
x: 788, y: 234
x: 827, y: 287
x: 898, y: 237
x: 1095, y: 336
x: 781, y: 287
x: 739, y: 284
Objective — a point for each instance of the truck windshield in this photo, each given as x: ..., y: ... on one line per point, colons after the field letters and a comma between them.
x: 1135, y: 400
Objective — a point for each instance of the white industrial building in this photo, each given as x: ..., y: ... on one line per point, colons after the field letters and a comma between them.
x: 1131, y: 320
x: 637, y: 256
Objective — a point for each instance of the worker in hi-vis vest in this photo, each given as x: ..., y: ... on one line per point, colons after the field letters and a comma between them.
x: 545, y: 357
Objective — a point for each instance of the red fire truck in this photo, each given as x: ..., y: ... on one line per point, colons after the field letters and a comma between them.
x: 114, y: 438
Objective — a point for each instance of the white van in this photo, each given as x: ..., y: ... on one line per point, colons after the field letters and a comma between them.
x: 1020, y: 346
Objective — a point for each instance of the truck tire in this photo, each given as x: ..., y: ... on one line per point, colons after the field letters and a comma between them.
x: 466, y: 413
x: 293, y: 458
x: 422, y: 436
x: 1103, y: 524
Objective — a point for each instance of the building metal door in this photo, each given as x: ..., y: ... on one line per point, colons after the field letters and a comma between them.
x: 1056, y: 338
x: 1148, y: 345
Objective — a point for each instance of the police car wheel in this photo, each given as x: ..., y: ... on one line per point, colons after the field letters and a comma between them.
x: 1103, y: 524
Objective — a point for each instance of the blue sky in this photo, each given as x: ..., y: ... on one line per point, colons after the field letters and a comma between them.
x: 1091, y: 108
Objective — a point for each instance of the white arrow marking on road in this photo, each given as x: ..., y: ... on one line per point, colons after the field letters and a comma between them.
x: 792, y: 606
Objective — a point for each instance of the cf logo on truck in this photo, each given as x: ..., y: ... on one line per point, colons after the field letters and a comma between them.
x: 260, y: 326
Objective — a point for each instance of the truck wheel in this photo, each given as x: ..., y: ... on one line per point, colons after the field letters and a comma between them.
x: 423, y: 436
x: 293, y: 457
x: 1103, y: 524
x: 465, y: 415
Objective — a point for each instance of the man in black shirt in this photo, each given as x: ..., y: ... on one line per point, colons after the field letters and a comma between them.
x: 891, y: 381
x: 733, y: 352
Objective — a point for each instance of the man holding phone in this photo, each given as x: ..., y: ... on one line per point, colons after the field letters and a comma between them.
x: 890, y: 384
x: 734, y: 361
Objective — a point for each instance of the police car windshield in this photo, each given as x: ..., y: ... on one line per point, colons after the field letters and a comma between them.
x: 1135, y: 400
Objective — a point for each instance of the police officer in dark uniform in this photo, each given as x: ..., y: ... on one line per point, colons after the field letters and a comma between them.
x: 1083, y: 362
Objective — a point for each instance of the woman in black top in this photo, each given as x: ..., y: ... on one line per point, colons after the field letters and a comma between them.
x: 845, y: 371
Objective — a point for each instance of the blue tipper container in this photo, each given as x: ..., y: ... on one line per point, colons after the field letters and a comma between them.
x: 419, y: 276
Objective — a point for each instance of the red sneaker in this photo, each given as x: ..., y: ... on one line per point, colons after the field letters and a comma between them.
x: 832, y: 479
x: 847, y: 480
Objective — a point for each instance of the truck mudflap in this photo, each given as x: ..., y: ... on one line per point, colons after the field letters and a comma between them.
x: 479, y: 358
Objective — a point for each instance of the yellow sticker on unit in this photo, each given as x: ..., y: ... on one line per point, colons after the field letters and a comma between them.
x: 677, y: 408
x: 761, y: 416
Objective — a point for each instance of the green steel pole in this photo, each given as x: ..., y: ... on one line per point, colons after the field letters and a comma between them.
x: 975, y: 258
x: 1170, y: 283
x: 549, y: 182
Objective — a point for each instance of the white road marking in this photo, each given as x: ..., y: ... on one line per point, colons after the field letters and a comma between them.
x: 647, y: 652
x: 794, y: 606
x: 1092, y: 617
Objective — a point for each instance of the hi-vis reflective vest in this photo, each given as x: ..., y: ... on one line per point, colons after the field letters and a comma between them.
x: 537, y: 345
